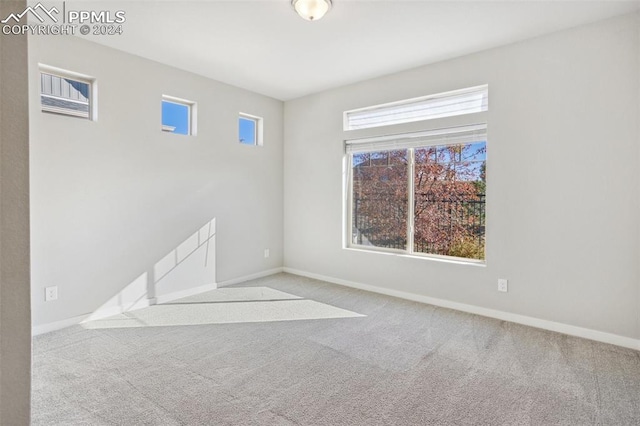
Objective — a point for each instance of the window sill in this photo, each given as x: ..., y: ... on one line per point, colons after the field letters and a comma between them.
x: 436, y: 258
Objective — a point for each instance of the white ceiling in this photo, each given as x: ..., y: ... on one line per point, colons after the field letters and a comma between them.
x: 265, y: 47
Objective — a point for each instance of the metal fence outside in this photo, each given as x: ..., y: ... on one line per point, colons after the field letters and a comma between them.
x: 443, y: 218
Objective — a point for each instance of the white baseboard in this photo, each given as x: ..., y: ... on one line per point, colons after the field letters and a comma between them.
x: 571, y: 330
x: 96, y: 315
x: 169, y: 297
x: 250, y: 277
x: 115, y: 310
x: 57, y: 325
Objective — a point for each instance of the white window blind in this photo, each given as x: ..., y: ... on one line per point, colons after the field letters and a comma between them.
x: 447, y: 104
x: 448, y: 136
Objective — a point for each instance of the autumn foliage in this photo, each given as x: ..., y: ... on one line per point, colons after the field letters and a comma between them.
x: 448, y: 185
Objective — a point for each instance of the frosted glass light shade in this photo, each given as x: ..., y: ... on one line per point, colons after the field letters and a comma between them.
x: 311, y: 10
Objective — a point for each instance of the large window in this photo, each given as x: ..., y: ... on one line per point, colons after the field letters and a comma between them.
x: 420, y: 193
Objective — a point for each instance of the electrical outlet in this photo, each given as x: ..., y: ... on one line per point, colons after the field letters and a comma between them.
x: 503, y: 285
x: 50, y: 293
x: 266, y: 253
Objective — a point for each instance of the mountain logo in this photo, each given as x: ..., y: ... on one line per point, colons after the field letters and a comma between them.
x: 34, y: 11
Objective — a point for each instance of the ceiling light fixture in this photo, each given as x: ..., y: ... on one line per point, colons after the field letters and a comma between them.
x: 311, y: 10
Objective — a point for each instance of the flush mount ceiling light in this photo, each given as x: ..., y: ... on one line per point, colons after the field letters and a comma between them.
x: 311, y: 10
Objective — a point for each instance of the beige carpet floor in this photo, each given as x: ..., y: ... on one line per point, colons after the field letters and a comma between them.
x: 285, y: 350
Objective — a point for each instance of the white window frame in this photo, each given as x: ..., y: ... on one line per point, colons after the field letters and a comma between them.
x: 192, y: 108
x: 258, y: 121
x: 71, y: 75
x: 440, y: 135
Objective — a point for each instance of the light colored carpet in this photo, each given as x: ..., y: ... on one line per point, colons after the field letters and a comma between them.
x: 285, y: 350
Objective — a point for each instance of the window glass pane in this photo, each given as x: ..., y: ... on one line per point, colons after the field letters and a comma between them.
x: 449, y: 216
x: 247, y: 131
x: 380, y: 199
x: 444, y: 154
x: 362, y: 159
x: 380, y: 158
x: 175, y: 117
x: 476, y: 152
x: 66, y: 96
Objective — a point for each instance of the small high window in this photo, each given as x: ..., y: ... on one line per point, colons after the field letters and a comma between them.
x: 250, y: 130
x: 178, y: 116
x: 65, y: 93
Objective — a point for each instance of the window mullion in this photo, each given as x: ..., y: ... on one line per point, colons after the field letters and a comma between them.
x: 411, y: 198
x: 349, y: 239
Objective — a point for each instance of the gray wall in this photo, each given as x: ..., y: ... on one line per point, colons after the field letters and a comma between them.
x: 15, y: 313
x: 563, y: 189
x: 115, y: 200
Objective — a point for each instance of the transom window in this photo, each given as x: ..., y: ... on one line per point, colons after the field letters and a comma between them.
x: 178, y: 116
x: 65, y: 94
x: 446, y: 104
x: 419, y: 193
x: 249, y: 129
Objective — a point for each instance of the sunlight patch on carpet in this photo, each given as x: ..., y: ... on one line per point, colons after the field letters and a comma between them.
x: 226, y: 306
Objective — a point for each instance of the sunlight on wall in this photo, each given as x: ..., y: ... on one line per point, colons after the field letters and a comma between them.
x: 174, y: 258
x: 191, y: 264
x: 133, y: 296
